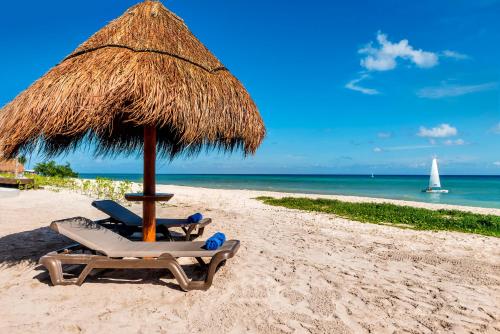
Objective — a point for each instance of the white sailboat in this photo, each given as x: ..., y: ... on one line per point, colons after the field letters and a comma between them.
x: 434, y: 181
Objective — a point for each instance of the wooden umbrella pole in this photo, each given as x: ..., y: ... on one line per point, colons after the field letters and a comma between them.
x: 149, y: 209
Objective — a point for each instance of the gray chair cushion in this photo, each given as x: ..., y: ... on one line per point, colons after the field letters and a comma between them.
x: 107, y: 242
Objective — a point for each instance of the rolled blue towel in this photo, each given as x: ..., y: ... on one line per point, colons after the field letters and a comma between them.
x: 215, y: 241
x: 195, y: 218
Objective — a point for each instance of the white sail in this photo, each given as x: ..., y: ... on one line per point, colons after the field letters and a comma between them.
x: 434, y: 181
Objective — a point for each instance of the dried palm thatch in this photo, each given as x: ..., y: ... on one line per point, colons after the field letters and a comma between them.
x: 143, y: 69
x: 9, y: 166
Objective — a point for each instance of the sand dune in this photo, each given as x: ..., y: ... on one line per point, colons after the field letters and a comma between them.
x: 296, y: 272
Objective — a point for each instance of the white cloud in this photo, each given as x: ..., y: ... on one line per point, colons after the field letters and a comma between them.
x: 384, y: 56
x: 407, y: 147
x: 497, y: 163
x: 384, y: 135
x: 454, y: 54
x: 432, y: 144
x: 442, y: 131
x: 496, y: 128
x: 417, y: 164
x: 353, y: 85
x: 457, y: 142
x: 454, y: 90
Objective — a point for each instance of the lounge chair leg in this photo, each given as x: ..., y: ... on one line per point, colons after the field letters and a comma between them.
x: 187, y: 232
x: 191, y: 236
x: 165, y: 231
x: 200, y: 232
x: 54, y: 267
x: 201, y: 262
x: 176, y: 270
x: 83, y: 275
x: 214, y: 265
x: 181, y: 277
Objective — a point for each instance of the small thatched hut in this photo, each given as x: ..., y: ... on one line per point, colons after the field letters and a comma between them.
x: 9, y: 166
x: 141, y: 81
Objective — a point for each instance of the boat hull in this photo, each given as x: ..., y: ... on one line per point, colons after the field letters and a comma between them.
x: 439, y: 191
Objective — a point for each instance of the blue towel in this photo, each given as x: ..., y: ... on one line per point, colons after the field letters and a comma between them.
x: 193, y: 219
x: 215, y: 241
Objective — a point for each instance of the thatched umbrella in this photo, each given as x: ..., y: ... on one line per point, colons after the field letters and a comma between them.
x: 141, y: 81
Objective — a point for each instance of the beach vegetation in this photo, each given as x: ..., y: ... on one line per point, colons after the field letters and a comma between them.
x: 98, y: 188
x: 395, y: 215
x: 52, y: 169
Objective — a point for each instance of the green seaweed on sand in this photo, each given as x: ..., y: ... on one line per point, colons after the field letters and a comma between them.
x: 395, y: 215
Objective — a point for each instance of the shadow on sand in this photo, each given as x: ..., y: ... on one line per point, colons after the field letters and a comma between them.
x: 29, y: 246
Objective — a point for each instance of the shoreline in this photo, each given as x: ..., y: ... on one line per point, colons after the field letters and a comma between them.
x: 347, y: 198
x: 470, y: 191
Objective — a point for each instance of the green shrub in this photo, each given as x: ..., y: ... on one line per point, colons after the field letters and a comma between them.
x: 51, y: 169
x: 100, y: 187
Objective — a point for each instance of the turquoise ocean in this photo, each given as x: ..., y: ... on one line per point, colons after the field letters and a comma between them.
x: 481, y: 191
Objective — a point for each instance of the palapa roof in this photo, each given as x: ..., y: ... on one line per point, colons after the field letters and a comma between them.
x: 144, y: 68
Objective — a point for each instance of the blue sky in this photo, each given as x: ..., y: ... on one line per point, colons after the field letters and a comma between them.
x: 352, y: 87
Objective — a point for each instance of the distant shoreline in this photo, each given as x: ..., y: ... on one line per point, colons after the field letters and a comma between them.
x: 474, y: 191
x: 344, y: 198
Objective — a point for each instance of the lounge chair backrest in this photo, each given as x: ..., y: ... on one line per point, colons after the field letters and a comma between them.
x: 90, y: 234
x: 118, y: 212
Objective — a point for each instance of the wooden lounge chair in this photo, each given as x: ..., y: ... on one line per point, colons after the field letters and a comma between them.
x: 125, y: 222
x: 101, y: 248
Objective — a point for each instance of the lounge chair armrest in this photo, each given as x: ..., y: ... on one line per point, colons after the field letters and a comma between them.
x: 204, y: 222
x: 226, y: 253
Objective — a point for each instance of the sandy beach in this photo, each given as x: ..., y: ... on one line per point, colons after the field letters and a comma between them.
x: 296, y: 272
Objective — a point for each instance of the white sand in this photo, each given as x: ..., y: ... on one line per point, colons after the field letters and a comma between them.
x: 296, y: 272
